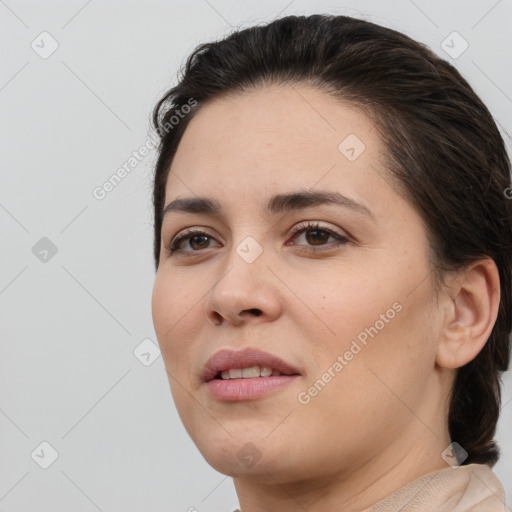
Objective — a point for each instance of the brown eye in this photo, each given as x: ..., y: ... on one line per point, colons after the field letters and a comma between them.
x: 198, y: 240
x: 317, y: 236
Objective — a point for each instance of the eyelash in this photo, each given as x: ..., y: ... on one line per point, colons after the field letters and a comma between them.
x: 310, y: 226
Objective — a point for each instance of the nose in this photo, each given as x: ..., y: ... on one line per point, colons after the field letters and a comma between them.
x: 245, y: 292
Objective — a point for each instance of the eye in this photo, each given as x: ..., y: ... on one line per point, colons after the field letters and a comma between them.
x: 199, y: 240
x: 195, y: 237
x: 318, y: 236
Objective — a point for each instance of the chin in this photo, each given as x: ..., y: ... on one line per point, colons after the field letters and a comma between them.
x: 262, y: 458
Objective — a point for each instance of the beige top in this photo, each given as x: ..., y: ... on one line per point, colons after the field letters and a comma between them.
x: 470, y: 488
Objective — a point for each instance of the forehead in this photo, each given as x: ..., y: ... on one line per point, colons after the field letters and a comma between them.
x: 271, y: 138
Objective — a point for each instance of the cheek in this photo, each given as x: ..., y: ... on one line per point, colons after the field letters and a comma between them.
x: 361, y: 399
x: 377, y: 321
x: 345, y: 299
x: 171, y: 305
x: 170, y: 309
x: 397, y: 359
x: 162, y: 307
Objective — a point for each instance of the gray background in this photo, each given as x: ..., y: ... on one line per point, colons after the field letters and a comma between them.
x: 72, y: 320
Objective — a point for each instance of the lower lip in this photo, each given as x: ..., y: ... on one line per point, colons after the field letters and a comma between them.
x: 234, y: 390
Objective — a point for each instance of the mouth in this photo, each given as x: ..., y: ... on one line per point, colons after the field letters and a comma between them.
x: 250, y: 372
x: 246, y: 374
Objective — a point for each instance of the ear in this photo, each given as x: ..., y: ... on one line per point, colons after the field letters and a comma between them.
x: 472, y: 308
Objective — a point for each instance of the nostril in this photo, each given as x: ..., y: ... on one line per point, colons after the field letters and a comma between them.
x: 255, y: 311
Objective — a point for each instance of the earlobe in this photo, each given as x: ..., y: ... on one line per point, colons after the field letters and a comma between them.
x: 473, y: 297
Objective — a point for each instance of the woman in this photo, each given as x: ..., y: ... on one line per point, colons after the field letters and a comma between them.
x: 333, y: 251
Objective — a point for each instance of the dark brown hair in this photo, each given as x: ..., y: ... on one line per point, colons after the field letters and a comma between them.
x: 445, y: 153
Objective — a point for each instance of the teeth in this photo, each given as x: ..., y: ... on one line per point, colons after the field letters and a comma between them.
x: 250, y: 372
x: 266, y: 372
x: 235, y: 374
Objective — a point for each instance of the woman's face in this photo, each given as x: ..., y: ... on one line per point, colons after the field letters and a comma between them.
x: 355, y: 320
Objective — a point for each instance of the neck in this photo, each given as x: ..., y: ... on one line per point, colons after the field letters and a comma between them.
x: 352, y: 488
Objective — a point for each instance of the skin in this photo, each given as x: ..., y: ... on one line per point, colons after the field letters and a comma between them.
x: 381, y: 422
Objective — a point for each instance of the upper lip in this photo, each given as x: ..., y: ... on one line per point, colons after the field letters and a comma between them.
x: 227, y: 359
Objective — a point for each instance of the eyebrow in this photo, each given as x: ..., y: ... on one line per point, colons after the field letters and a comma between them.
x: 279, y: 203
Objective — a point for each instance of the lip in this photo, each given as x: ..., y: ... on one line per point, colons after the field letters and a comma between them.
x: 226, y: 359
x: 250, y: 388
